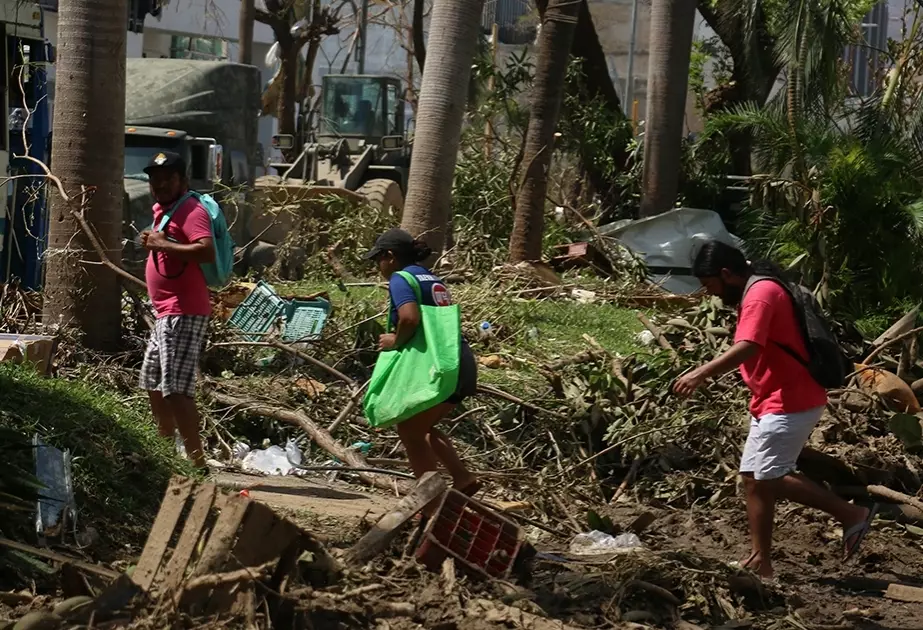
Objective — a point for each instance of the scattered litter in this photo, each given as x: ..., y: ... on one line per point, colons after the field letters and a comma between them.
x: 362, y: 447
x: 36, y: 349
x: 239, y: 451
x: 56, y: 510
x: 595, y: 542
x: 645, y: 337
x: 492, y: 361
x: 310, y: 387
x: 485, y: 331
x: 583, y: 296
x: 274, y: 460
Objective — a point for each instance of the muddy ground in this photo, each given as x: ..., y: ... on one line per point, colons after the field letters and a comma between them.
x: 686, y: 555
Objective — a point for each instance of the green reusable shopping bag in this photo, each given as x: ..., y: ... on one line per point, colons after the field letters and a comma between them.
x: 422, y: 373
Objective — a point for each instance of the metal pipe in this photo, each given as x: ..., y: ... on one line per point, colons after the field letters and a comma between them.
x: 630, y: 79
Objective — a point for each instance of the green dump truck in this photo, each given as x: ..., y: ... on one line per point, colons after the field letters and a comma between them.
x: 207, y: 111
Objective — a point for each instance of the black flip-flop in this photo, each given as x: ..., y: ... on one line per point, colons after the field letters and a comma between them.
x: 859, y: 530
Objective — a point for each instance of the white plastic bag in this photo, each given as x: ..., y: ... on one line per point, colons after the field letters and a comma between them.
x: 599, y: 542
x: 274, y: 460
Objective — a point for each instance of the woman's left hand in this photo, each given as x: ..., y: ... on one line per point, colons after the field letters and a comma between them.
x: 387, y: 341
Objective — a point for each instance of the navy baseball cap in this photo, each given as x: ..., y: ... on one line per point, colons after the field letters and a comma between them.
x: 166, y: 160
x: 394, y: 240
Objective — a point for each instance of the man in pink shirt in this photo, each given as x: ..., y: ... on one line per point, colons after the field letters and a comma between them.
x: 786, y: 401
x: 181, y: 301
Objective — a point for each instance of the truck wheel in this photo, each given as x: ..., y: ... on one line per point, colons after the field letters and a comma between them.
x: 383, y: 194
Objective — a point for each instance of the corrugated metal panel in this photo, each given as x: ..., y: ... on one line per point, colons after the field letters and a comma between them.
x: 512, y: 20
x: 865, y: 58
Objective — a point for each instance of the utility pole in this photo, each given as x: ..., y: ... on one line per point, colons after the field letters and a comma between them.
x: 245, y: 34
x: 630, y: 79
x: 363, y: 37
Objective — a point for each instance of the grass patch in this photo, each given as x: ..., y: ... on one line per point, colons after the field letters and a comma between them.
x: 531, y: 332
x: 560, y: 326
x: 121, y: 465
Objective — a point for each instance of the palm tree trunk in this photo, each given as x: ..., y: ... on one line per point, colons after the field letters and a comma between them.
x: 672, y: 23
x: 554, y: 45
x: 453, y: 39
x: 597, y: 84
x: 88, y: 150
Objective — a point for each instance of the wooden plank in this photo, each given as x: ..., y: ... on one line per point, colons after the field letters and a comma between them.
x: 60, y: 557
x: 251, y: 550
x: 157, y: 541
x: 255, y: 538
x: 282, y: 538
x: 429, y: 488
x: 222, y: 536
x: 173, y: 574
x: 904, y: 593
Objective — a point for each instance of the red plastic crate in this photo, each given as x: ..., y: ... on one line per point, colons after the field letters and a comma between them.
x: 483, y: 542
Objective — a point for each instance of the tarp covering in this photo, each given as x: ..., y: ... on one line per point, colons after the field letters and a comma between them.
x: 203, y: 98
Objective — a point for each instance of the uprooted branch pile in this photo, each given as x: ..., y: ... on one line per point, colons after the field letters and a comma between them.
x: 578, y: 429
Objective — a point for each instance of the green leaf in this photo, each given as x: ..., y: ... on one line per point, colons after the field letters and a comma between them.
x: 600, y: 523
x: 907, y: 428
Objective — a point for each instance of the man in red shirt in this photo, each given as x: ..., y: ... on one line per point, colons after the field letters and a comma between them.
x: 786, y: 401
x: 181, y: 301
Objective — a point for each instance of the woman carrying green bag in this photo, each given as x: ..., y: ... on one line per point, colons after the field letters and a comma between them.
x: 425, y: 368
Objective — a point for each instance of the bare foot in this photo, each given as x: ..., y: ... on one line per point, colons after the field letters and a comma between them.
x: 755, y: 564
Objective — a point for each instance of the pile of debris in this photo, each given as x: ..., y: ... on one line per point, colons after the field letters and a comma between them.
x: 609, y: 500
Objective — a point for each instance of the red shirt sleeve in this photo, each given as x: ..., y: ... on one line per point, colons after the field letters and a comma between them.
x: 757, y: 311
x: 195, y: 224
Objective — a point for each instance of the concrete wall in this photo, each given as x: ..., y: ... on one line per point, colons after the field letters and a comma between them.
x: 613, y: 26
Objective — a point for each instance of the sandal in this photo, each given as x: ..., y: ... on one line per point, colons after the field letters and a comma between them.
x: 859, y: 530
x: 746, y: 563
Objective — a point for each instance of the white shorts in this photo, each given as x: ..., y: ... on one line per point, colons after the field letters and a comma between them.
x: 775, y: 442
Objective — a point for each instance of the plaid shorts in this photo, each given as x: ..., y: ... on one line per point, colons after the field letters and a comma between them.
x: 173, y: 354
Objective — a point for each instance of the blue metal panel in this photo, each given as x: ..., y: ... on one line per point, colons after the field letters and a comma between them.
x: 27, y: 226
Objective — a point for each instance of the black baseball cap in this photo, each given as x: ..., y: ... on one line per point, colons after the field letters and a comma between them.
x: 166, y: 160
x: 394, y: 240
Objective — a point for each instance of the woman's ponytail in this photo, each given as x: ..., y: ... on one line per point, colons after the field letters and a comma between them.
x: 421, y: 251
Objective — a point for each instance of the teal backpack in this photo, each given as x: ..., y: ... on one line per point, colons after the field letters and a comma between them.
x: 218, y: 273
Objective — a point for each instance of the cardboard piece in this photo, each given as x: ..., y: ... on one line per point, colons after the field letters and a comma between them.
x: 36, y: 349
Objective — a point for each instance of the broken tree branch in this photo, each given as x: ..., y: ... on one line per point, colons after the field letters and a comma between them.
x: 315, y: 362
x: 895, y: 496
x: 658, y: 334
x: 58, y: 557
x: 626, y: 481
x: 84, y: 225
x: 499, y: 393
x: 247, y: 574
x: 890, y: 342
x: 348, y: 409
x: 320, y: 436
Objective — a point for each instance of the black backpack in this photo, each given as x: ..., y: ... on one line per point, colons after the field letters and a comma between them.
x: 828, y: 365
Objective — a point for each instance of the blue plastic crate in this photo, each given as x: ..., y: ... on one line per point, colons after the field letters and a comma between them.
x: 258, y: 312
x: 304, y: 320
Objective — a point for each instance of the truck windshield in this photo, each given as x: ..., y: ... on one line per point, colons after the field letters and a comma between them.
x: 140, y: 149
x: 353, y: 106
